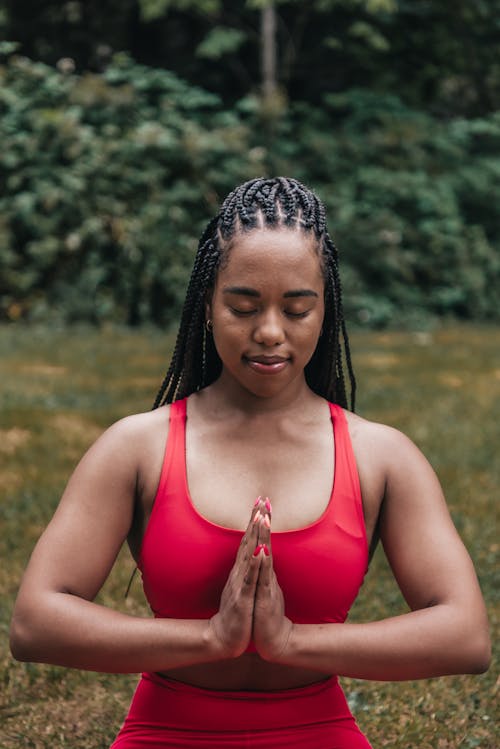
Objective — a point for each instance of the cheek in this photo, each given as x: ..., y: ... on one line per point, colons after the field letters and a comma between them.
x: 315, y: 332
x: 228, y: 337
x: 316, y: 320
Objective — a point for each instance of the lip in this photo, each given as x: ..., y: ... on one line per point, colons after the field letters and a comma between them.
x: 267, y: 364
x: 261, y: 359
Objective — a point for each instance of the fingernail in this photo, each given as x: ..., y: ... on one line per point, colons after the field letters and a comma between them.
x: 257, y: 550
x: 268, y: 505
x: 257, y: 517
x: 257, y: 501
x: 267, y: 521
x: 266, y: 550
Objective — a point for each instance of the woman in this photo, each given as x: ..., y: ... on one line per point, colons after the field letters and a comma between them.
x: 253, y: 527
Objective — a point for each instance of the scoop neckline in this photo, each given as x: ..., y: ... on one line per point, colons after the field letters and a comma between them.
x: 226, y: 528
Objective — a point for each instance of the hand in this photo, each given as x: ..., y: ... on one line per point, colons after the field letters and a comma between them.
x: 271, y: 628
x: 232, y: 624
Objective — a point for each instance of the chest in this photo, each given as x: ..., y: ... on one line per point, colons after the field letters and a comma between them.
x: 319, y: 566
x: 227, y: 469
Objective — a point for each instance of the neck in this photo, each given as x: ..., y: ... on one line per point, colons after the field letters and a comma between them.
x: 225, y: 393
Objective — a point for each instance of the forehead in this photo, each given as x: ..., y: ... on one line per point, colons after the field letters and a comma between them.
x: 272, y: 254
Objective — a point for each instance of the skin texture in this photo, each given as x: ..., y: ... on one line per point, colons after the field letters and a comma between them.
x: 267, y: 310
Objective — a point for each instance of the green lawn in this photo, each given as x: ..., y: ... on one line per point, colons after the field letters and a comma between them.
x: 60, y: 389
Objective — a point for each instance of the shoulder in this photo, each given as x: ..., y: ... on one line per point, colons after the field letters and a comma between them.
x: 387, y: 457
x: 134, y: 436
x: 379, y: 443
x: 380, y: 452
x: 139, y: 424
x: 390, y: 466
x: 121, y: 464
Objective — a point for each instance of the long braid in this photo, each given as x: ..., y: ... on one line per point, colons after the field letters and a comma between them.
x: 332, y: 249
x: 204, y: 267
x: 260, y: 203
x: 350, y: 368
x: 343, y: 330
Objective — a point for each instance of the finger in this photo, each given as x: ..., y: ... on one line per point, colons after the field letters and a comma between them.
x: 260, y: 521
x: 251, y: 557
x: 254, y: 515
x: 266, y: 571
x: 251, y: 573
x: 245, y: 571
x: 265, y: 527
x: 250, y: 537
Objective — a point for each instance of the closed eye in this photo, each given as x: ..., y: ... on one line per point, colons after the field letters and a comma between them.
x: 297, y: 314
x: 248, y: 312
x: 242, y: 312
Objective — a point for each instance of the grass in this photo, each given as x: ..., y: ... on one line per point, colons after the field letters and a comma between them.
x: 60, y: 389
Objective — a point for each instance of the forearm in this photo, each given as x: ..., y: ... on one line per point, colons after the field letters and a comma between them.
x: 66, y: 630
x: 421, y: 644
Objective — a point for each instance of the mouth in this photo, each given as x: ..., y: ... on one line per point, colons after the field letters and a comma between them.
x: 267, y: 364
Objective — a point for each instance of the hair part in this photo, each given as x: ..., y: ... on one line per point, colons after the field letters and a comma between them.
x: 279, y: 202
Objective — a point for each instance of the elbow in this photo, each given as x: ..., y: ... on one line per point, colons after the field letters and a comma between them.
x: 19, y: 642
x: 473, y: 650
x: 480, y: 655
x: 18, y: 648
x: 23, y: 639
x: 468, y: 641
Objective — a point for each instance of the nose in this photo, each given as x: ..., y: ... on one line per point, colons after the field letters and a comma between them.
x: 269, y: 329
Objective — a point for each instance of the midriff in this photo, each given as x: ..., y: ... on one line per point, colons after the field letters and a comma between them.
x: 248, y: 672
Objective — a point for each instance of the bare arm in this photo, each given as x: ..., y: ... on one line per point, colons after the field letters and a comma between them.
x: 445, y: 633
x: 55, y: 619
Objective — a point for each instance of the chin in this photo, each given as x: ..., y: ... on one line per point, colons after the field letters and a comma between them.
x: 270, y: 388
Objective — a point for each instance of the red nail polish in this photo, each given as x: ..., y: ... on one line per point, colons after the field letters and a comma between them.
x: 257, y: 550
x: 265, y: 548
x: 257, y: 501
x: 267, y: 521
x: 268, y: 505
x: 257, y: 517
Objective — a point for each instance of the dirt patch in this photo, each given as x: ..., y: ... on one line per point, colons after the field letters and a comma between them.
x: 12, y: 439
x: 9, y: 481
x: 450, y: 380
x: 379, y: 361
x: 43, y: 369
x: 144, y: 382
x: 76, y: 428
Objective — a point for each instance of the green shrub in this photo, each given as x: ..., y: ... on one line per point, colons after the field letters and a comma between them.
x: 106, y: 182
x: 414, y: 205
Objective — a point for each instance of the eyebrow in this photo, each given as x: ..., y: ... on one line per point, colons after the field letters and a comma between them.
x: 242, y: 290
x: 247, y: 291
x: 299, y: 292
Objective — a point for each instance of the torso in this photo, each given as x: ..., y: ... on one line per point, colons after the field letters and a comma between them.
x: 290, y: 460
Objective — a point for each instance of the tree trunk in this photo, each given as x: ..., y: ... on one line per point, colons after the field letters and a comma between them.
x: 269, y: 50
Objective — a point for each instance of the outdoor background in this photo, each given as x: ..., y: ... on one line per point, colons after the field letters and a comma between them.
x: 122, y: 126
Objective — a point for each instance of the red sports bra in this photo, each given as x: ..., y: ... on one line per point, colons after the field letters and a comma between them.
x: 185, y: 558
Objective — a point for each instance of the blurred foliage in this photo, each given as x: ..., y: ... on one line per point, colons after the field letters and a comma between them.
x: 107, y: 180
x: 439, y: 56
x: 412, y: 205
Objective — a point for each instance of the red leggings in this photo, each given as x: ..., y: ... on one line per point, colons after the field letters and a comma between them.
x: 167, y: 714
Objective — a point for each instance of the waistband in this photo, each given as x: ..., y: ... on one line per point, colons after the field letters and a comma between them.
x: 165, y: 702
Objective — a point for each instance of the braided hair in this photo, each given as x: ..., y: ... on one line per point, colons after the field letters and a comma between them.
x: 260, y: 203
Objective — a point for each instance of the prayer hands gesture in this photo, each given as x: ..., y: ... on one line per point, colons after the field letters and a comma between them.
x: 252, y: 604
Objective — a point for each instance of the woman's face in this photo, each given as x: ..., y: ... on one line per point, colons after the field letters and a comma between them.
x: 267, y: 309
